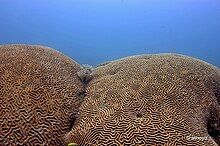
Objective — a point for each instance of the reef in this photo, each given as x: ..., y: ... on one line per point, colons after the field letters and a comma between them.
x: 163, y: 99
x: 39, y: 90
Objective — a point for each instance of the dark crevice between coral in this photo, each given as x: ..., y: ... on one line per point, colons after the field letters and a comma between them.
x: 86, y: 78
x: 72, y: 121
x: 81, y: 95
x: 85, y: 75
x: 213, y: 127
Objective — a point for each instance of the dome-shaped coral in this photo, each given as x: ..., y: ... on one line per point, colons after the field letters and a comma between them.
x: 165, y: 99
x: 39, y: 91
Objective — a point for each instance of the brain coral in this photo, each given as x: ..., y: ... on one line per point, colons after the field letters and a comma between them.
x: 39, y: 95
x: 165, y: 99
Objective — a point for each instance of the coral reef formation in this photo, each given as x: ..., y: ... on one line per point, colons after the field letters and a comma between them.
x: 39, y: 90
x: 48, y: 99
x: 165, y: 99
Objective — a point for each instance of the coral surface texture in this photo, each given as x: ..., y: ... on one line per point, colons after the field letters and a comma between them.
x: 47, y: 98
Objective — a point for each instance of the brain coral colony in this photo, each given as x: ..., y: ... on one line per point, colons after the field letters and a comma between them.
x: 164, y: 99
x: 39, y: 91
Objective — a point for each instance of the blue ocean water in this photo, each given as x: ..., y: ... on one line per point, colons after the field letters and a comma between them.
x: 94, y: 31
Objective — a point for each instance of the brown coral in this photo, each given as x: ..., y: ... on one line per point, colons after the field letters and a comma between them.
x: 38, y: 95
x: 166, y: 99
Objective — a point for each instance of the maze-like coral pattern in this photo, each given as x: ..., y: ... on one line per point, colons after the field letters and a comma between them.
x: 38, y: 95
x: 163, y: 100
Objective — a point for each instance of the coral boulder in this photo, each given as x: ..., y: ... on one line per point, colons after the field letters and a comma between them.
x: 39, y: 90
x: 165, y: 99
